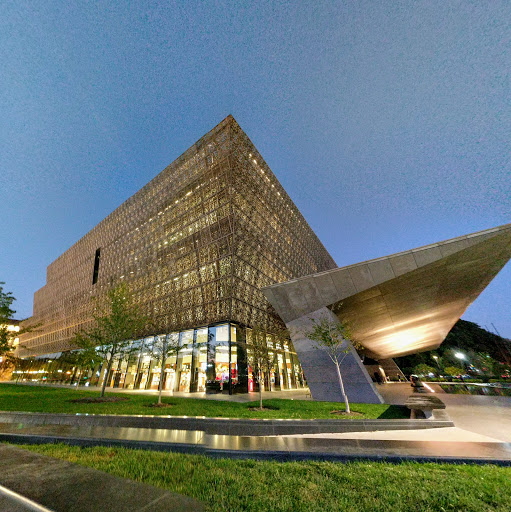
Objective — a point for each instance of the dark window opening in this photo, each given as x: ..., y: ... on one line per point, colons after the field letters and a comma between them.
x: 96, y: 267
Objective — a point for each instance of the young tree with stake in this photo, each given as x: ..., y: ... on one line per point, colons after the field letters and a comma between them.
x: 259, y: 357
x: 334, y: 338
x: 163, y: 347
x: 85, y: 359
x: 116, y: 325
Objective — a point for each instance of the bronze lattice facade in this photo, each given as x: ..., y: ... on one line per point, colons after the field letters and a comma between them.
x: 196, y: 245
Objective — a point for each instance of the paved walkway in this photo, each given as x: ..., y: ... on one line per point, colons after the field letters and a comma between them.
x: 64, y: 487
x: 11, y: 501
x: 485, y: 415
x: 450, y: 434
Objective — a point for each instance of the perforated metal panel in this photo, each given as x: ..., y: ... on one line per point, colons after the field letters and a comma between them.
x: 195, y: 245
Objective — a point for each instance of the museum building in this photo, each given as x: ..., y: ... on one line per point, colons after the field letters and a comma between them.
x: 195, y: 245
x: 212, y: 248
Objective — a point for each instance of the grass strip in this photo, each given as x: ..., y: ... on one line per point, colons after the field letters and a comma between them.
x: 249, y: 485
x: 58, y: 400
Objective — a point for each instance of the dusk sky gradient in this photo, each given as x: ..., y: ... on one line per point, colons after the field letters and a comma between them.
x: 387, y: 122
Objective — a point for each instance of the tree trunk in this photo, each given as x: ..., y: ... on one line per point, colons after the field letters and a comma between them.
x: 260, y: 391
x: 78, y: 381
x: 160, y: 387
x: 74, y: 375
x: 164, y: 354
x: 107, y: 373
x: 341, y: 385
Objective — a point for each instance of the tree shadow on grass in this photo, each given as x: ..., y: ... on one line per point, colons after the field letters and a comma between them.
x: 395, y: 412
x: 98, y: 399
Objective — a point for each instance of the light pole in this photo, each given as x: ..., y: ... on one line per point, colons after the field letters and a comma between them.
x: 461, y: 356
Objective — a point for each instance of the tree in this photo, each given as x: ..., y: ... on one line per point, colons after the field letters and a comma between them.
x: 258, y: 355
x: 468, y: 337
x: 7, y: 364
x: 334, y: 338
x: 7, y: 336
x: 485, y: 363
x: 423, y: 369
x: 86, y: 359
x: 6, y: 313
x: 117, y: 323
x: 454, y: 371
x: 163, y: 347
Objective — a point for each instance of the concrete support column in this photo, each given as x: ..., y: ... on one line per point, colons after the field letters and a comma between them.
x: 320, y: 371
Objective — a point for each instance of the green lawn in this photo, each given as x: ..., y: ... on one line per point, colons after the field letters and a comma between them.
x: 56, y: 400
x: 232, y: 485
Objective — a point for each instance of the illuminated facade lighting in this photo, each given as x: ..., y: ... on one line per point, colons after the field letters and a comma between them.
x: 195, y: 246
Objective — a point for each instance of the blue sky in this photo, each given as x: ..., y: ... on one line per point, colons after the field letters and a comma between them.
x: 388, y: 123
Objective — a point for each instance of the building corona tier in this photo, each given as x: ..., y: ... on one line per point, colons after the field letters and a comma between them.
x: 195, y: 245
x: 212, y: 247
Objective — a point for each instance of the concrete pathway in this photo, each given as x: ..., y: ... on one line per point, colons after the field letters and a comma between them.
x: 485, y: 415
x: 11, y: 501
x: 451, y: 434
x: 64, y: 487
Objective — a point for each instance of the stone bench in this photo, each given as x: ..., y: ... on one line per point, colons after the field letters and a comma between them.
x: 424, y: 405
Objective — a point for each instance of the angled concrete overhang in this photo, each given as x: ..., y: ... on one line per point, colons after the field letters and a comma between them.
x: 403, y: 303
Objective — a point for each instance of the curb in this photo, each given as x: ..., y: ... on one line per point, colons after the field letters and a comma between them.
x: 225, y: 426
x: 274, y: 455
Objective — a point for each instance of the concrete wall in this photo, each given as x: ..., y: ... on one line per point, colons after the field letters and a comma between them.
x: 320, y: 371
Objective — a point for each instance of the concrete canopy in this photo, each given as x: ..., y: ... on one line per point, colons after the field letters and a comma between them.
x: 403, y: 303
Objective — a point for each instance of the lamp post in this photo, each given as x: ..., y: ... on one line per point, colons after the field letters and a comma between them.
x: 441, y: 369
x: 462, y: 357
